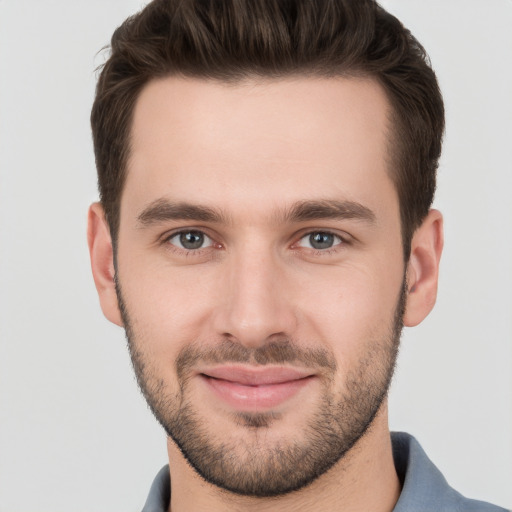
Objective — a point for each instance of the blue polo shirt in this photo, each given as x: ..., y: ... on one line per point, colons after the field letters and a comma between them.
x: 424, y: 488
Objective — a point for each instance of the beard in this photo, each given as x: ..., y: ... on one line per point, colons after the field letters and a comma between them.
x: 255, y: 466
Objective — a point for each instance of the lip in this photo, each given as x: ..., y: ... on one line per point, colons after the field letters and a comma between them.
x: 255, y: 389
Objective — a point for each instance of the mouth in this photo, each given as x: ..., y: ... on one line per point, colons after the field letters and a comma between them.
x: 245, y: 388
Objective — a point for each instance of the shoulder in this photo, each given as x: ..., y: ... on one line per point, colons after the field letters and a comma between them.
x: 160, y: 492
x: 424, y: 488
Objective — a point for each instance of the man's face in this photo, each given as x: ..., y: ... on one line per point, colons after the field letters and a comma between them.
x: 260, y: 272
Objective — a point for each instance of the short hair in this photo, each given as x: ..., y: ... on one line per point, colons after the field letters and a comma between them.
x: 231, y: 40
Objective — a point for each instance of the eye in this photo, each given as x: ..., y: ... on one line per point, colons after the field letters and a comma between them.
x: 190, y: 240
x: 320, y: 240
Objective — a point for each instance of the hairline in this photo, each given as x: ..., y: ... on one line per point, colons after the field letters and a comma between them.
x: 393, y: 126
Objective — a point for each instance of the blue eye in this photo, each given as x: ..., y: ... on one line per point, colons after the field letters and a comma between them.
x: 191, y: 240
x: 320, y: 240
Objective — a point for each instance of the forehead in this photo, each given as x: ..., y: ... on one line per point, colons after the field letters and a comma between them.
x: 278, y: 140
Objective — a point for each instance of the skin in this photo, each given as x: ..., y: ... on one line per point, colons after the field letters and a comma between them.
x: 253, y: 151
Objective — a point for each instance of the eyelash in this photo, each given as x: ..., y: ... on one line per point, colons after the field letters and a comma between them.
x: 327, y: 250
x: 188, y: 252
x: 343, y: 241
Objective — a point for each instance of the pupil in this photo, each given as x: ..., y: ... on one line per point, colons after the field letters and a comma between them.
x: 321, y: 240
x: 192, y: 240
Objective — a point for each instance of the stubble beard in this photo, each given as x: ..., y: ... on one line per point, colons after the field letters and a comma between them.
x: 255, y: 467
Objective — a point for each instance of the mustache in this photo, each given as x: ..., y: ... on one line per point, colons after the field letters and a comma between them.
x: 274, y: 352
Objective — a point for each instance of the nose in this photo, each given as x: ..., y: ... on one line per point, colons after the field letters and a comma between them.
x: 256, y: 306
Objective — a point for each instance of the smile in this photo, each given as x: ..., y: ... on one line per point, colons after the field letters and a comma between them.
x: 255, y: 389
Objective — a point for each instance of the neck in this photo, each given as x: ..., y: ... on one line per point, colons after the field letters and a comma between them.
x: 365, y: 479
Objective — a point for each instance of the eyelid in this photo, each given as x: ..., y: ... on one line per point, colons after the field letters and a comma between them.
x: 206, y: 239
x: 344, y: 242
x: 166, y: 238
x: 338, y: 240
x: 342, y: 235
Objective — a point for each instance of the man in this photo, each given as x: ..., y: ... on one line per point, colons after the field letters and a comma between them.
x: 266, y: 171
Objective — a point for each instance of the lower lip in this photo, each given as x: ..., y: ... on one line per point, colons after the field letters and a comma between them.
x: 252, y: 398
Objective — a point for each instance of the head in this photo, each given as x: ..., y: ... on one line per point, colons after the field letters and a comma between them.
x: 266, y: 170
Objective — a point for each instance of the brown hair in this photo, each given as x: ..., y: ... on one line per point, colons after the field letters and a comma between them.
x: 230, y: 40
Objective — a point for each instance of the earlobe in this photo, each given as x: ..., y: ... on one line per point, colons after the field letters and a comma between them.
x: 102, y: 262
x: 423, y: 268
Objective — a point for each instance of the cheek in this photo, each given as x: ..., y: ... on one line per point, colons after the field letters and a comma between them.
x: 167, y: 308
x: 354, y: 310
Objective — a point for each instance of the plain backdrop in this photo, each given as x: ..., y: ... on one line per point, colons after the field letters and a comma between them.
x: 75, y: 435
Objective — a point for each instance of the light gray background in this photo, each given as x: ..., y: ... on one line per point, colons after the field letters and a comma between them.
x: 74, y: 433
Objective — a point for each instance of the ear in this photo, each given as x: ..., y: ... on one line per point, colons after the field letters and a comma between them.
x: 102, y: 262
x: 423, y: 268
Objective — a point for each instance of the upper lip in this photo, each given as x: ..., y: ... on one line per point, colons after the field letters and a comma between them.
x: 256, y: 376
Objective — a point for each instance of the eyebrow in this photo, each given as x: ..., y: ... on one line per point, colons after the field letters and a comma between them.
x: 162, y: 210
x: 329, y: 209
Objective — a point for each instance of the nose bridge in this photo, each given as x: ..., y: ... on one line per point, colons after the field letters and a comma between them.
x: 255, y: 306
